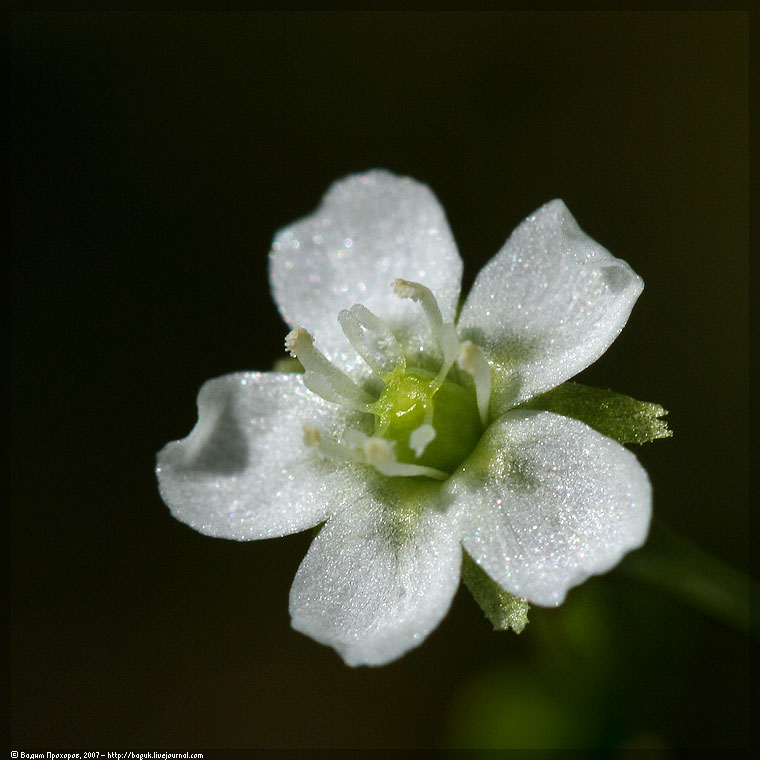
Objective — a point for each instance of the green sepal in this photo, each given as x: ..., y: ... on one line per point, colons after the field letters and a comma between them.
x: 503, y: 610
x: 613, y: 414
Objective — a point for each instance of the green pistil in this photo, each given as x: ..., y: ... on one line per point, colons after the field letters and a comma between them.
x: 407, y: 402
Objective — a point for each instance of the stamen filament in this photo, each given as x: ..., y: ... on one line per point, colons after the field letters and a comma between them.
x: 449, y: 343
x: 424, y: 297
x: 472, y: 361
x: 321, y: 385
x: 322, y: 374
x: 328, y: 447
x: 380, y: 455
x: 444, y: 334
x: 385, y: 338
x: 354, y: 333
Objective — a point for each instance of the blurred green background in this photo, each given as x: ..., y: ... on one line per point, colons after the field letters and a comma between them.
x: 153, y: 157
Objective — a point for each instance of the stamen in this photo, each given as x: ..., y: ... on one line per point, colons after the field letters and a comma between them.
x: 322, y: 377
x: 424, y: 297
x: 329, y: 448
x: 321, y: 385
x: 444, y: 334
x: 472, y: 361
x: 420, y: 438
x: 380, y: 455
x: 384, y: 337
x: 354, y: 333
x: 354, y: 438
x: 449, y: 343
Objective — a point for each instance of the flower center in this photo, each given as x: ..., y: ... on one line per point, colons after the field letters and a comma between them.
x: 431, y: 426
x: 425, y: 423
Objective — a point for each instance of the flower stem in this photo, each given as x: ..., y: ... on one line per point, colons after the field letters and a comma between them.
x: 695, y: 578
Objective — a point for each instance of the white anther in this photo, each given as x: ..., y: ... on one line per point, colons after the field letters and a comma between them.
x: 472, y: 361
x: 379, y: 453
x: 324, y: 378
x: 420, y: 438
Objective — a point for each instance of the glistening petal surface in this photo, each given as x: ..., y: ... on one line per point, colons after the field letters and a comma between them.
x: 379, y: 577
x: 547, y: 305
x: 244, y: 471
x: 369, y: 230
x: 547, y: 501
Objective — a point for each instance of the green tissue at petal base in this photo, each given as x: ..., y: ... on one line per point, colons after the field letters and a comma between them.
x: 613, y: 414
x: 503, y: 610
x: 288, y: 365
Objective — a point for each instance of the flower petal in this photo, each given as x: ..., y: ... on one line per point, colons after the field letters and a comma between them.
x: 547, y: 501
x: 369, y: 230
x: 547, y: 305
x: 244, y: 471
x: 379, y: 577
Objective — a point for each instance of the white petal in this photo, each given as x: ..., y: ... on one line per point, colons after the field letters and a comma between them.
x: 244, y: 471
x: 547, y: 501
x: 378, y: 578
x: 547, y: 305
x: 369, y: 230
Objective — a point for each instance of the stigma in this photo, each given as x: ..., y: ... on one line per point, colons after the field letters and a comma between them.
x: 425, y: 422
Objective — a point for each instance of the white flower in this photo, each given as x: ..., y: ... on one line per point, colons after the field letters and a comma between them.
x: 402, y: 436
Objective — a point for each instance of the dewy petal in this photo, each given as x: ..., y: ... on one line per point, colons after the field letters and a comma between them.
x: 547, y: 305
x: 547, y: 501
x: 379, y: 577
x: 244, y: 471
x: 369, y: 230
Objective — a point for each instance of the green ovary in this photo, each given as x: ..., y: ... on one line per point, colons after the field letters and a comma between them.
x: 405, y: 405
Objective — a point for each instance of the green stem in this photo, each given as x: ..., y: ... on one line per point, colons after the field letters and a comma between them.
x: 695, y: 578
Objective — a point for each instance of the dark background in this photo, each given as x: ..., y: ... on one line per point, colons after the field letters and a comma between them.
x: 153, y: 157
